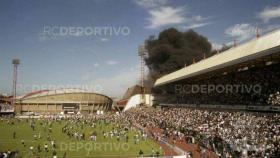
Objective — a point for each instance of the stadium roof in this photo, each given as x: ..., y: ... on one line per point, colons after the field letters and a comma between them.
x: 256, y: 48
x: 52, y: 92
x: 136, y: 89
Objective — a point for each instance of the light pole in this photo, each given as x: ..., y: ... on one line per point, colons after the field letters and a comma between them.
x: 142, y: 52
x: 15, y: 62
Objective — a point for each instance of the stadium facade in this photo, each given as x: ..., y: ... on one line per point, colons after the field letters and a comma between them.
x: 63, y: 100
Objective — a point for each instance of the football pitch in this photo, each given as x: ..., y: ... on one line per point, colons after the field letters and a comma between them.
x: 50, y: 138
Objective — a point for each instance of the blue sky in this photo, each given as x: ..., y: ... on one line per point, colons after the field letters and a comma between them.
x: 108, y: 63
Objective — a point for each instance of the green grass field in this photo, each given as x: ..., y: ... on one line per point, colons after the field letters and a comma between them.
x: 103, y: 147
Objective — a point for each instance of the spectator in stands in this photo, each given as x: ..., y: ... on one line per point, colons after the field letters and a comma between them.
x: 226, y: 133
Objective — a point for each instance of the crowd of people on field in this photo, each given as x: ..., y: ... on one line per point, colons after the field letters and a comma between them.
x: 230, y: 134
x: 107, y: 127
x: 8, y: 154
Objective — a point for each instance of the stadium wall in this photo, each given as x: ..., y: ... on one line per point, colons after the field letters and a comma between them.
x: 83, y: 102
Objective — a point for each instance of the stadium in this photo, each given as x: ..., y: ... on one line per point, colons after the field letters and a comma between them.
x: 204, y: 109
x: 208, y: 85
x: 63, y: 100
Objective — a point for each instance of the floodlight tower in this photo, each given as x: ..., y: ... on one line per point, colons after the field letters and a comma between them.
x: 142, y: 51
x: 15, y: 63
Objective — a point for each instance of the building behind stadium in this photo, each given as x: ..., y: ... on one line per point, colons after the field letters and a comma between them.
x: 62, y: 100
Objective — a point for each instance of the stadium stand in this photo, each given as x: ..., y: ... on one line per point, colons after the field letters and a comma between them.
x: 244, y: 75
x: 136, y: 89
x: 132, y: 98
x: 5, y: 105
x: 63, y: 100
x: 228, y: 134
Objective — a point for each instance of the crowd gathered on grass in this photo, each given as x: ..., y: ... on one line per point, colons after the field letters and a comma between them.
x: 110, y: 129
